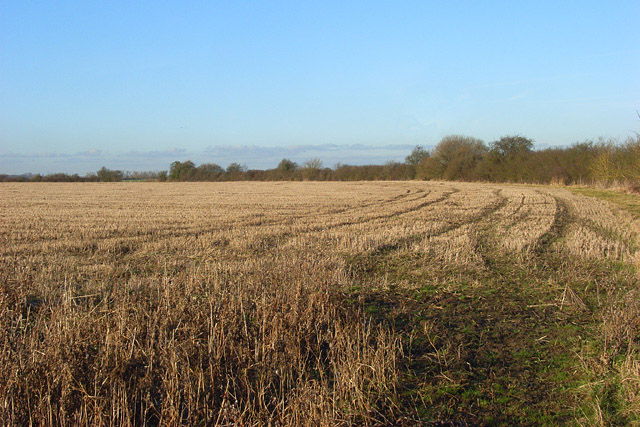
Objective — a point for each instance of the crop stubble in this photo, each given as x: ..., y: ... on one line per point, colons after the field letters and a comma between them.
x: 315, y: 303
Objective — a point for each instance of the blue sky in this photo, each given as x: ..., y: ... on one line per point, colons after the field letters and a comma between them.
x: 135, y: 85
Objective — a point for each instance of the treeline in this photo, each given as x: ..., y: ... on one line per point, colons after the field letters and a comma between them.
x: 288, y: 170
x: 102, y: 175
x: 512, y: 158
x: 54, y: 177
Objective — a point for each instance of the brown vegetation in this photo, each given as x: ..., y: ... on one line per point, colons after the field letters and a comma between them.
x: 315, y: 304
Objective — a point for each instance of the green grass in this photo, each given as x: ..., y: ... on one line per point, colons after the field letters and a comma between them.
x: 482, y: 353
x: 627, y: 201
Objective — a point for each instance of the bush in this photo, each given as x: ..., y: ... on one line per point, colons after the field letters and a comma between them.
x: 454, y: 158
x: 107, y: 175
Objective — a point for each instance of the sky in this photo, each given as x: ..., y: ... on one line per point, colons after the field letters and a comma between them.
x: 137, y: 85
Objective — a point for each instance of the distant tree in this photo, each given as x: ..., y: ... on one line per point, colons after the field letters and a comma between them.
x: 601, y: 167
x: 511, y: 146
x: 208, y: 172
x: 140, y: 175
x: 60, y: 177
x: 107, y: 175
x: 91, y: 177
x: 210, y: 168
x: 162, y: 176
x: 454, y: 158
x: 311, y: 169
x: 314, y: 163
x: 508, y: 160
x: 577, y: 160
x: 418, y: 155
x: 630, y: 156
x: 182, y: 171
x: 416, y: 160
x: 287, y: 165
x: 236, y: 167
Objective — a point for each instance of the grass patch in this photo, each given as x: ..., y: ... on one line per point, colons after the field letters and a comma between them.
x: 474, y: 356
x: 627, y: 201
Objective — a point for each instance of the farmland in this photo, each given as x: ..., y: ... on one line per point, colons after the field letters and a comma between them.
x: 309, y: 303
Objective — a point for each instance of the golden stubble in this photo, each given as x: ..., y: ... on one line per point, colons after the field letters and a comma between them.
x: 226, y: 298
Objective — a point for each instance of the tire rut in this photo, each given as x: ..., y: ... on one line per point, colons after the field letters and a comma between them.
x: 270, y: 241
x: 557, y: 229
x: 186, y: 231
x: 487, y: 211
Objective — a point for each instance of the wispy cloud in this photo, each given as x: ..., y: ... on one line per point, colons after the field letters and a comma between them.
x: 175, y: 152
x: 51, y: 155
x: 519, y: 96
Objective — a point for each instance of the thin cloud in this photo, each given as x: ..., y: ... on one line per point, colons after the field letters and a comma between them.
x: 51, y: 155
x: 155, y: 154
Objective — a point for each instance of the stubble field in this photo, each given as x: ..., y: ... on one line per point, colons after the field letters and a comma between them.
x: 381, y: 303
